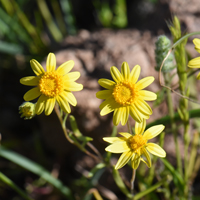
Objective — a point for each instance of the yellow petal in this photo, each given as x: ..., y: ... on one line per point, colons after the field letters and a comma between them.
x: 49, y: 105
x: 196, y: 42
x: 153, y: 131
x: 144, y: 82
x: 124, y: 158
x: 32, y: 94
x: 114, y: 139
x: 194, y: 63
x: 147, y: 95
x: 72, y: 86
x: 65, y: 67
x: 117, y: 116
x: 125, y: 115
x: 156, y: 150
x: 116, y: 75
x: 72, y: 76
x: 125, y: 134
x: 135, y: 114
x: 36, y: 67
x: 63, y: 103
x: 30, y: 80
x: 125, y: 70
x: 118, y: 147
x: 143, y: 107
x: 135, y: 73
x: 135, y: 161
x: 106, y: 83
x: 40, y: 105
x: 147, y: 156
x: 107, y: 107
x: 140, y: 127
x: 104, y: 94
x: 51, y: 62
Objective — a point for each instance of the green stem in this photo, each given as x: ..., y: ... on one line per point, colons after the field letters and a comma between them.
x: 154, y: 187
x: 132, y: 181
x: 166, y: 120
x: 11, y: 184
x: 171, y: 114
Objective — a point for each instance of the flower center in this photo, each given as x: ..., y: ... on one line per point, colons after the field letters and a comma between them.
x: 51, y: 84
x: 124, y: 93
x: 137, y: 142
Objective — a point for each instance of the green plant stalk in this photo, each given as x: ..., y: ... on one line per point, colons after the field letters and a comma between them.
x: 120, y: 183
x: 152, y: 188
x: 193, y: 155
x: 173, y: 125
x: 166, y: 120
x: 72, y: 139
x: 11, y: 184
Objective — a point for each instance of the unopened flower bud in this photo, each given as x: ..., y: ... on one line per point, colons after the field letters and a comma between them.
x: 27, y: 110
x: 163, y: 45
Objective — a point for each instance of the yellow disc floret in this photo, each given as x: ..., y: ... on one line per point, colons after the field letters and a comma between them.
x: 137, y: 142
x: 124, y: 93
x: 51, y: 84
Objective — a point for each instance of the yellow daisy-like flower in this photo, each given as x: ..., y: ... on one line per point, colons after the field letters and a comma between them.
x: 126, y: 96
x: 52, y: 85
x: 195, y: 63
x: 133, y: 147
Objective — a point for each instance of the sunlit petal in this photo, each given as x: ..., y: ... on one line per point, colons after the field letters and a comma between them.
x: 116, y: 75
x: 135, y: 114
x: 140, y: 127
x: 64, y: 105
x: 104, y: 94
x: 141, y: 84
x: 65, y: 67
x: 51, y: 62
x: 125, y: 134
x: 72, y: 76
x: 124, y: 158
x: 125, y: 70
x: 30, y: 80
x: 118, y: 147
x: 49, y: 105
x: 194, y: 63
x: 36, y: 67
x: 114, y: 139
x: 135, y: 161
x: 153, y: 131
x: 108, y: 84
x: 32, y: 94
x: 147, y: 95
x: 147, y: 156
x: 40, y: 105
x: 156, y: 150
x: 135, y: 73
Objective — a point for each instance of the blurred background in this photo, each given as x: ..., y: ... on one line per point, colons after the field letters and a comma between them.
x: 96, y: 34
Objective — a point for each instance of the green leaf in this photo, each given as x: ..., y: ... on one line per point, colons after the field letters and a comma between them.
x: 36, y: 169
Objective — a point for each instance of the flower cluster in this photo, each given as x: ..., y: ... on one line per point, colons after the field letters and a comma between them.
x: 125, y: 96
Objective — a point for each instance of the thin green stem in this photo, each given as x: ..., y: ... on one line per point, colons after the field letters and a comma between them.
x: 173, y: 125
x: 73, y: 141
x: 129, y: 127
x: 132, y: 181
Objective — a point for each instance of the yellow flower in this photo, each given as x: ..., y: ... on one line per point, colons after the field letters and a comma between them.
x: 133, y: 147
x: 125, y: 96
x: 195, y: 63
x: 27, y: 110
x: 52, y: 85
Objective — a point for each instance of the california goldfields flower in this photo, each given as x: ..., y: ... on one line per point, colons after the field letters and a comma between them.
x: 195, y: 63
x: 125, y: 95
x: 133, y: 147
x: 52, y: 85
